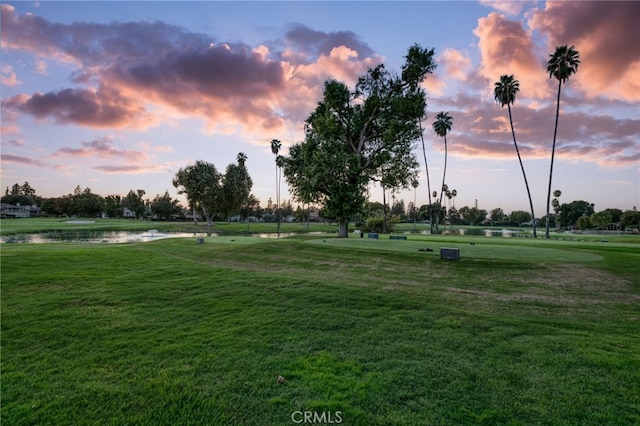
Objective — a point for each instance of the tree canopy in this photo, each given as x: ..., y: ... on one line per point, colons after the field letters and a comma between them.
x: 200, y: 182
x: 236, y: 186
x: 357, y: 136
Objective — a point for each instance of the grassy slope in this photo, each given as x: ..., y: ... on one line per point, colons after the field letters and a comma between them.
x: 172, y: 332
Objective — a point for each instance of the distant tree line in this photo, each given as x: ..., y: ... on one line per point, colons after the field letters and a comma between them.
x: 578, y: 214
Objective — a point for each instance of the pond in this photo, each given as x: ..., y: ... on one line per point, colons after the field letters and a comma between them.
x: 94, y: 236
x: 481, y: 232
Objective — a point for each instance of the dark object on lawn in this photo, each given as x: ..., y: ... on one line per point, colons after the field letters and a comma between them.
x: 472, y: 243
x: 280, y: 379
x: 200, y: 240
x: 450, y: 253
x: 425, y: 249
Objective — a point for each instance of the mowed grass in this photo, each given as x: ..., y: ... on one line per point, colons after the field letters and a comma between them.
x: 174, y: 332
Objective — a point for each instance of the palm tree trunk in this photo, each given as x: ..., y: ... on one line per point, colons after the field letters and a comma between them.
x: 513, y: 132
x: 553, y: 152
x: 426, y: 166
x: 275, y: 211
x: 279, y: 211
x: 444, y: 174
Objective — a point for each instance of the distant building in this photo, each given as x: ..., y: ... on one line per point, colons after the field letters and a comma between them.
x: 128, y: 214
x: 18, y: 211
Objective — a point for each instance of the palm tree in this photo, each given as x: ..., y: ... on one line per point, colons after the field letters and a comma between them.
x: 504, y: 93
x: 275, y: 149
x: 426, y: 166
x: 241, y: 158
x: 562, y: 64
x: 454, y: 193
x: 556, y: 206
x: 414, y: 184
x: 441, y: 126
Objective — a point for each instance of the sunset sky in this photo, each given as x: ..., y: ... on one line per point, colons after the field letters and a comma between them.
x: 118, y: 95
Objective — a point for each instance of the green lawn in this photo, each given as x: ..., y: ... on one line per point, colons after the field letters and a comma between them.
x: 174, y: 332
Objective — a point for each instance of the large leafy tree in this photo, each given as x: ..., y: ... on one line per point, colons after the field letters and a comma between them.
x: 236, y: 186
x: 21, y: 194
x: 165, y: 207
x: 571, y: 212
x: 354, y: 134
x: 562, y: 64
x: 85, y: 203
x: 134, y: 202
x: 442, y: 126
x: 504, y: 93
x: 472, y: 215
x: 200, y: 182
x: 113, y: 205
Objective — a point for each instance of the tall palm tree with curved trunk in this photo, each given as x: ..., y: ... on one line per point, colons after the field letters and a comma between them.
x: 275, y: 149
x: 442, y: 126
x: 426, y: 166
x: 562, y: 64
x: 504, y: 93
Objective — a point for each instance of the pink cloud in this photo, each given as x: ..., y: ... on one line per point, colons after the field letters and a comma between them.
x: 9, y: 129
x: 232, y: 86
x: 482, y: 130
x: 457, y: 64
x: 13, y: 142
x: 104, y: 108
x: 28, y: 161
x: 507, y: 48
x: 133, y: 169
x: 102, y: 148
x: 610, y: 60
x: 8, y: 76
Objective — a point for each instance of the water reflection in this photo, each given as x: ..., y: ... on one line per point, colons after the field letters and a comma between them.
x: 85, y: 236
x: 507, y: 233
x: 89, y: 236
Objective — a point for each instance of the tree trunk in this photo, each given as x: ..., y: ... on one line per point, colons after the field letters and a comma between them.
x: 384, y: 212
x: 424, y: 154
x: 343, y: 228
x: 513, y: 132
x: 207, y: 216
x: 553, y: 152
x: 279, y: 211
x: 444, y: 174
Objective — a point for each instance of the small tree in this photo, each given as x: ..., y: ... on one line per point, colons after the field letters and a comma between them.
x: 236, y: 186
x: 165, y: 207
x: 134, y: 202
x: 200, y: 182
x: 583, y: 223
x: 497, y: 216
